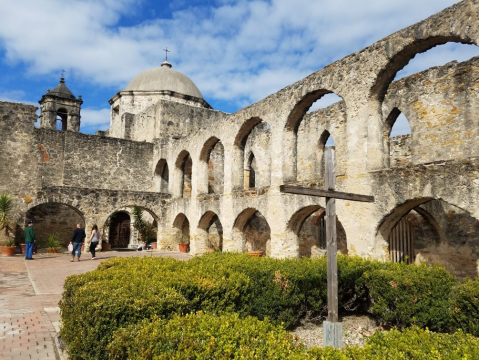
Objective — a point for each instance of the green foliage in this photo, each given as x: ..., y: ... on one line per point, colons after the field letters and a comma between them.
x: 204, y: 336
x: 413, y: 343
x: 6, y: 207
x: 144, y: 229
x: 124, y: 291
x: 52, y: 242
x: 402, y: 295
x: 465, y: 307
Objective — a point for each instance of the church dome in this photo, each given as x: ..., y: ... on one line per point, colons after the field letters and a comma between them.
x: 164, y: 78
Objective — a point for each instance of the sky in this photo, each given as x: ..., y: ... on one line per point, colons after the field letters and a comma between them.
x: 237, y: 52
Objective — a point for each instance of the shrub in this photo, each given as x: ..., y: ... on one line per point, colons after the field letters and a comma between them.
x: 204, y: 336
x: 404, y: 295
x: 465, y: 307
x: 413, y: 343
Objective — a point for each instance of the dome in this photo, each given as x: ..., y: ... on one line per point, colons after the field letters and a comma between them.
x: 164, y: 78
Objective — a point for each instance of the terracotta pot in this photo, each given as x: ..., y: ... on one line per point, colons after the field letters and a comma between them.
x: 154, y: 245
x: 83, y: 247
x: 105, y: 246
x: 53, y: 250
x: 183, y: 247
x: 23, y: 247
x: 210, y: 251
x: 8, y: 250
x: 259, y: 253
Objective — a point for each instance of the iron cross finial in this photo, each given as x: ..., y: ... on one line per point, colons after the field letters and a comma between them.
x: 63, y: 73
x: 166, y: 51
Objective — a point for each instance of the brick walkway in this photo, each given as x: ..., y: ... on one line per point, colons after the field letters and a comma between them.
x: 29, y: 296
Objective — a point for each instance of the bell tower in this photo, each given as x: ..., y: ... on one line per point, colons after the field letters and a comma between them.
x: 60, y: 109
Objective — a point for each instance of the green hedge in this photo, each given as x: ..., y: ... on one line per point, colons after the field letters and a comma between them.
x: 203, y: 336
x: 124, y: 291
x: 465, y: 307
x: 402, y: 295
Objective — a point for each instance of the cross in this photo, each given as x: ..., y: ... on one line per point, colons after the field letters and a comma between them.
x: 63, y: 73
x: 166, y: 51
x: 332, y: 328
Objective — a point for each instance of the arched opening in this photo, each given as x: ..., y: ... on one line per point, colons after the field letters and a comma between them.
x: 398, y: 136
x: 309, y: 226
x: 318, y: 112
x: 120, y: 230
x: 53, y: 219
x: 62, y: 119
x: 213, y: 231
x: 325, y: 141
x: 182, y: 226
x: 250, y: 169
x: 253, y: 138
x: 162, y: 176
x: 254, y: 231
x: 435, y: 232
x: 212, y: 156
x: 185, y: 165
x: 403, y: 57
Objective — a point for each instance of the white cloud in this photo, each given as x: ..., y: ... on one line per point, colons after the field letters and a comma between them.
x: 94, y: 119
x: 239, y: 51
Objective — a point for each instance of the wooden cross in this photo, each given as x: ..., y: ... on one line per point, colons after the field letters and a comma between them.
x: 332, y: 327
x: 166, y: 51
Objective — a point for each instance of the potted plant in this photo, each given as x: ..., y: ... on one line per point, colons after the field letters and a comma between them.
x: 52, y: 244
x: 255, y: 240
x: 8, y: 242
x: 183, y: 244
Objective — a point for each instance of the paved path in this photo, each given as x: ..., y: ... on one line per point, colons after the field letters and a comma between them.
x: 29, y: 296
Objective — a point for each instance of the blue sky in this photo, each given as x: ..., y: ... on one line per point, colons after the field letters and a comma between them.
x: 236, y: 51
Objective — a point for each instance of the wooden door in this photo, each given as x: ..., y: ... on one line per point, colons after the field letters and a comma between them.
x: 120, y: 230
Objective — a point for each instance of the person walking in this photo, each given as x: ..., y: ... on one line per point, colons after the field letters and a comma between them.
x: 78, y: 237
x: 94, y: 239
x: 29, y: 241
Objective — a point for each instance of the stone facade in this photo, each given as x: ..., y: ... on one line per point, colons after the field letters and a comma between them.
x: 214, y: 177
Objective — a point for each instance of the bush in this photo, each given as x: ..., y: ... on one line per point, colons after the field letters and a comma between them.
x: 404, y: 295
x: 204, y: 336
x: 465, y: 307
x: 125, y: 291
x: 413, y: 343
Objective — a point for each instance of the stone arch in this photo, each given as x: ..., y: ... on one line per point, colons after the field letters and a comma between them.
x: 252, y: 230
x: 118, y: 228
x: 182, y: 226
x: 397, y: 148
x: 162, y: 176
x: 244, y: 142
x: 290, y: 135
x: 402, y: 57
x: 323, y: 139
x: 307, y: 227
x: 250, y: 170
x: 442, y: 233
x: 210, y: 232
x: 211, y: 167
x: 52, y: 218
x: 184, y: 165
x: 62, y: 123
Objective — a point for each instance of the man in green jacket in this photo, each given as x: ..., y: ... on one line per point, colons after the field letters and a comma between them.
x: 29, y: 240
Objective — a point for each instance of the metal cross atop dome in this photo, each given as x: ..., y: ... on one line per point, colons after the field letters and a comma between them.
x: 166, y: 51
x: 63, y: 73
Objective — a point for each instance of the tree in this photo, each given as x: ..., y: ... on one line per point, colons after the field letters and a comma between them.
x: 6, y: 207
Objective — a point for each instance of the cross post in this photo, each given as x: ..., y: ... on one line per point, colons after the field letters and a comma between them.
x: 332, y: 327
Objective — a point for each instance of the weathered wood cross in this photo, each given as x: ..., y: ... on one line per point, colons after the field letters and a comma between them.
x: 333, y: 330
